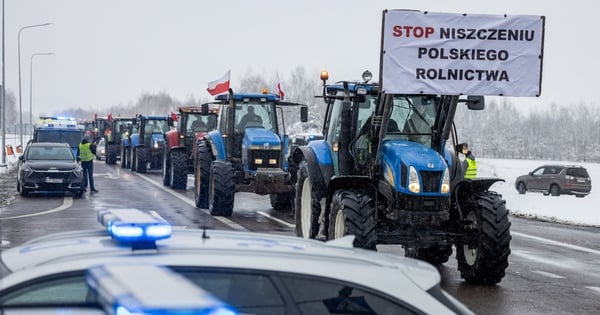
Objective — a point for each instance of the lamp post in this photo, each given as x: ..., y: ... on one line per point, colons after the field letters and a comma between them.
x: 31, y: 85
x: 19, y: 53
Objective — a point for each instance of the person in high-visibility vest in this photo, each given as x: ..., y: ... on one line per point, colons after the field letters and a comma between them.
x: 469, y: 164
x: 86, y: 153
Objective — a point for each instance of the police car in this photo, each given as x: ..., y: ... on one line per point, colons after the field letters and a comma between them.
x: 127, y: 268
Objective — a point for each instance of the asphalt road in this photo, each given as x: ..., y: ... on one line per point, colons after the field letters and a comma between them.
x: 554, y: 268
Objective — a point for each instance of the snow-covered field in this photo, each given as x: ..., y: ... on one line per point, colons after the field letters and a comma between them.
x: 565, y: 208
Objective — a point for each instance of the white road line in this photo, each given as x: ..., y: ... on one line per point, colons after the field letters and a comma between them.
x: 67, y: 203
x: 548, y: 274
x: 556, y: 243
x: 223, y: 220
x: 597, y: 289
x: 276, y: 219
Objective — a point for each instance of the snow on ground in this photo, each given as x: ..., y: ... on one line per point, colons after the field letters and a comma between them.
x: 564, y: 208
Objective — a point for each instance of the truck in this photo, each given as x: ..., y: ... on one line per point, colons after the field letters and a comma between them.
x: 191, y: 124
x: 242, y: 154
x: 147, y: 143
x: 58, y: 129
x: 387, y: 171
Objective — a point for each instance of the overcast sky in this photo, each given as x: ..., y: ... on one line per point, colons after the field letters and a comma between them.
x: 108, y: 52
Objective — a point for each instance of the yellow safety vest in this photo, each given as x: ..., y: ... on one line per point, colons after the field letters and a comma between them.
x: 85, y: 152
x: 471, y: 168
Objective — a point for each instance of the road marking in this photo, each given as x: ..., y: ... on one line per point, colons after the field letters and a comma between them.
x: 556, y: 243
x: 223, y: 220
x: 548, y: 274
x: 276, y: 219
x: 67, y: 203
x: 597, y: 289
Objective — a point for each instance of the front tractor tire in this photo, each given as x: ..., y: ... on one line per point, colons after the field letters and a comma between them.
x: 178, y: 170
x: 281, y: 202
x: 166, y: 169
x: 203, y: 163
x: 484, y: 259
x: 142, y: 155
x: 221, y: 189
x: 307, y: 204
x: 353, y: 213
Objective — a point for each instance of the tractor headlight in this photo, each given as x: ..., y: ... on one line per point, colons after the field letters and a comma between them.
x: 446, y: 182
x: 272, y: 161
x: 258, y: 161
x: 413, y: 180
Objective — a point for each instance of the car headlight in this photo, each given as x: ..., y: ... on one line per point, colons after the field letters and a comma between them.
x: 414, y: 184
x: 78, y: 171
x: 446, y: 182
x: 26, y: 170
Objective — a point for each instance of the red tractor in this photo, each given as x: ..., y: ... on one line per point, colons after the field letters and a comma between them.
x: 193, y: 123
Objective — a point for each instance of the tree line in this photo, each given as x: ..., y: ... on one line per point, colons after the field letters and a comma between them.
x: 562, y: 132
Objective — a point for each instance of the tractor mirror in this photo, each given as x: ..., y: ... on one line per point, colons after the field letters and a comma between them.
x: 475, y: 102
x: 204, y: 109
x: 303, y: 113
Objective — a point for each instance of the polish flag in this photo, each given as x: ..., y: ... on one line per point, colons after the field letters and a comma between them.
x: 220, y: 85
x: 174, y: 116
x: 279, y: 88
x: 109, y: 117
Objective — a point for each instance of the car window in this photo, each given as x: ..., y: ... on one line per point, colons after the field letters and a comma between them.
x: 554, y: 170
x: 539, y: 171
x: 60, y: 289
x: 577, y: 172
x: 321, y: 296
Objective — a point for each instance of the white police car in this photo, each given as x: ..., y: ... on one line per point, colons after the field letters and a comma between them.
x: 242, y: 272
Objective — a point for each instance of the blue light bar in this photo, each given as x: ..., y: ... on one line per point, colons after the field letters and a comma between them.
x: 134, y: 226
x: 149, y: 289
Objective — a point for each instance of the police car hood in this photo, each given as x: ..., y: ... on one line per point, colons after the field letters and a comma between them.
x: 412, y: 154
x: 262, y: 137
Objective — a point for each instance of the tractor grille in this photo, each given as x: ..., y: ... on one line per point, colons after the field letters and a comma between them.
x: 431, y: 181
x: 265, y: 156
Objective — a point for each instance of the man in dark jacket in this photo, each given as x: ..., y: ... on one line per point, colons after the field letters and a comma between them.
x: 86, y: 153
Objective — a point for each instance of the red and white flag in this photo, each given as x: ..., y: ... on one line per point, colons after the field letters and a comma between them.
x: 280, y: 88
x: 220, y: 85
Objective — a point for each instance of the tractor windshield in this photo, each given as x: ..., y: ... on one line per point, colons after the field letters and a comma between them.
x: 197, y: 122
x: 412, y: 117
x: 156, y: 126
x: 255, y: 115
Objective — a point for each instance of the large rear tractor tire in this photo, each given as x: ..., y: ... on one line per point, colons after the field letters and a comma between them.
x: 166, y: 169
x: 221, y: 189
x: 307, y: 204
x: 203, y: 163
x: 484, y: 259
x: 142, y: 155
x: 178, y: 170
x: 123, y: 157
x: 353, y: 213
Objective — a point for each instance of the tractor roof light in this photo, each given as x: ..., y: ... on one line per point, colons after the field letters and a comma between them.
x: 367, y: 76
x: 324, y: 76
x: 265, y: 91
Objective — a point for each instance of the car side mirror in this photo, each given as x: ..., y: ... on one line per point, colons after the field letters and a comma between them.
x: 22, y: 158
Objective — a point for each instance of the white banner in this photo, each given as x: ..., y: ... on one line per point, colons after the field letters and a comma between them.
x: 471, y: 54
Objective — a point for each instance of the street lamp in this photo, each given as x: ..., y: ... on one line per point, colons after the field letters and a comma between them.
x: 19, y: 53
x: 31, y: 85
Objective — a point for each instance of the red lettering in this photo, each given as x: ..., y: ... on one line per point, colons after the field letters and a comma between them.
x: 412, y: 31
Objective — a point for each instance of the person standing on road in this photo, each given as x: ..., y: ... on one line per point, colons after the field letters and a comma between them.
x: 469, y: 164
x: 86, y: 153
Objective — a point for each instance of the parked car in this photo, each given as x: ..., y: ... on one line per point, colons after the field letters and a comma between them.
x: 49, y: 166
x: 101, y: 149
x: 251, y: 273
x: 556, y: 180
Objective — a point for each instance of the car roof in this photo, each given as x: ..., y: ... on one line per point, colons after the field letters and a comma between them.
x: 49, y: 144
x: 562, y: 165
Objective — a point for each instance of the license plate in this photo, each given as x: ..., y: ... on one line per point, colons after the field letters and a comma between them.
x: 581, y: 180
x: 53, y: 180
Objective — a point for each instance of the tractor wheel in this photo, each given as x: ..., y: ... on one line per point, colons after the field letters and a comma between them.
x: 307, y: 205
x: 353, y: 213
x: 554, y: 190
x: 203, y: 163
x: 141, y: 159
x: 123, y: 157
x: 521, y: 188
x: 178, y: 170
x: 483, y: 257
x: 166, y: 169
x: 436, y: 254
x: 133, y: 161
x: 111, y: 155
x: 221, y: 189
x: 281, y: 202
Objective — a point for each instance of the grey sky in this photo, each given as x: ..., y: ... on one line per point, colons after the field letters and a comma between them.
x: 107, y: 52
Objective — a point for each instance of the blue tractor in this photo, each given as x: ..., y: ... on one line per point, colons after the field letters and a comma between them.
x: 247, y: 152
x: 148, y: 143
x: 387, y: 172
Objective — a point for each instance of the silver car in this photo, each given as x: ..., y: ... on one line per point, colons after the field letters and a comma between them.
x: 101, y: 149
x: 250, y: 272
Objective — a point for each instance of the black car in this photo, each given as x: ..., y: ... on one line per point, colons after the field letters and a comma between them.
x: 556, y: 180
x: 49, y: 166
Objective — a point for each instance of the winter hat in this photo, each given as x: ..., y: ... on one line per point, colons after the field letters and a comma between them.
x: 86, y: 137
